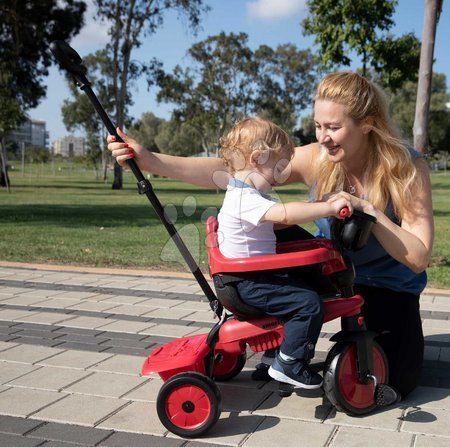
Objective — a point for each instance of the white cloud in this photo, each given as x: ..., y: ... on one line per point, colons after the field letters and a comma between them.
x: 274, y: 9
x: 94, y: 34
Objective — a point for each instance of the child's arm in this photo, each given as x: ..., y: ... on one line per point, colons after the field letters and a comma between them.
x: 292, y: 213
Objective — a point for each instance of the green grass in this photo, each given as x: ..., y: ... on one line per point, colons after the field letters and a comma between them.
x: 66, y: 217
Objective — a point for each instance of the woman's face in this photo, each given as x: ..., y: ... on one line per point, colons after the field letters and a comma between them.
x: 338, y: 133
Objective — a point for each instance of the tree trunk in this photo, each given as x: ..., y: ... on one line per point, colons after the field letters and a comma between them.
x: 4, y: 178
x: 420, y: 130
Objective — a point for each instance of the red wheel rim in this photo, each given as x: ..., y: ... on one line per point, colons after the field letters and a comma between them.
x: 357, y: 394
x: 188, y: 406
x: 226, y: 364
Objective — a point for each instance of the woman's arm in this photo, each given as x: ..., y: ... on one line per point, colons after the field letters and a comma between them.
x: 302, y: 164
x: 208, y: 172
x: 412, y: 242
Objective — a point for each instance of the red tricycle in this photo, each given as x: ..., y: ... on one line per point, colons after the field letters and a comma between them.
x: 355, y: 371
x: 189, y: 402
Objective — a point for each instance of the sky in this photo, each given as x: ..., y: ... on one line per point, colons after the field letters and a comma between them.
x: 269, y: 22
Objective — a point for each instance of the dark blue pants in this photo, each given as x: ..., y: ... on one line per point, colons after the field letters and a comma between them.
x: 284, y: 295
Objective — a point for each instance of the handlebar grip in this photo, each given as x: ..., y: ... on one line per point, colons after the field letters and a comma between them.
x: 344, y: 212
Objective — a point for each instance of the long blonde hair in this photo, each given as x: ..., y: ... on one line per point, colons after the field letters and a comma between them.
x: 250, y: 134
x: 390, y: 171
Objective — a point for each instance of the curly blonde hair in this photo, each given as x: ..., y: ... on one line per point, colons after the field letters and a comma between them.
x: 250, y: 134
x: 390, y: 171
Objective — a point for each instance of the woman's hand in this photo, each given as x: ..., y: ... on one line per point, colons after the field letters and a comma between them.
x: 122, y: 152
x: 356, y: 202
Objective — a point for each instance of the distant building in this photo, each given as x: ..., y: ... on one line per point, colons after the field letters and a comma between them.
x: 69, y: 146
x: 32, y: 133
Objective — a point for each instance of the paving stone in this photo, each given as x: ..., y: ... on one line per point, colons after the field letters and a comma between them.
x: 79, y: 409
x: 87, y: 322
x: 121, y: 439
x: 28, y: 354
x: 17, y: 441
x: 70, y: 433
x: 357, y: 437
x: 14, y: 315
x: 422, y: 420
x: 38, y: 341
x: 170, y: 330
x: 307, y: 405
x: 106, y: 384
x: 17, y: 426
x: 148, y: 392
x: 131, y: 327
x: 142, y: 353
x: 76, y: 359
x: 428, y: 397
x: 49, y: 378
x: 138, y: 417
x: 24, y: 402
x: 6, y: 345
x: 431, y: 441
x: 83, y: 346
x: 384, y: 419
x: 124, y: 364
x: 10, y: 371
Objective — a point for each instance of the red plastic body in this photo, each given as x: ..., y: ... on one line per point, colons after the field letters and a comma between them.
x: 259, y: 334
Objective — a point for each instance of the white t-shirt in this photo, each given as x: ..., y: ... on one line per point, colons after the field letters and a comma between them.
x: 241, y: 234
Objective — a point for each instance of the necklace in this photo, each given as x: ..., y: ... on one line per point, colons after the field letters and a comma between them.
x: 350, y: 188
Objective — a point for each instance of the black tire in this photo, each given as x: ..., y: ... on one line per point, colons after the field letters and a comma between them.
x: 226, y: 366
x: 189, y: 404
x: 340, y: 380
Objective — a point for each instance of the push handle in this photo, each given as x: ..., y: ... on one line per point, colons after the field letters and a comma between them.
x: 70, y: 60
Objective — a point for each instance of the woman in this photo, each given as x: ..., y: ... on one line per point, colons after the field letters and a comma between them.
x: 360, y: 157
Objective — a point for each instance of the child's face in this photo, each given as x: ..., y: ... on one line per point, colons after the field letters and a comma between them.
x: 274, y: 170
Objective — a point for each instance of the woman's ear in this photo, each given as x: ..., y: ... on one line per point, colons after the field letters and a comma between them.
x: 367, y: 125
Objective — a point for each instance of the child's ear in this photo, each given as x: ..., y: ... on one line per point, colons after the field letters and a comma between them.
x: 255, y: 157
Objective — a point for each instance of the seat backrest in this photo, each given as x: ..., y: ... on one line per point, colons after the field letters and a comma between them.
x: 289, y: 254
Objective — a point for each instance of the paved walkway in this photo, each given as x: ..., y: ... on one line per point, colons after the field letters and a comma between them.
x: 72, y: 344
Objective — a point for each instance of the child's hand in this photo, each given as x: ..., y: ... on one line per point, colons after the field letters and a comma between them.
x: 123, y: 151
x: 337, y: 204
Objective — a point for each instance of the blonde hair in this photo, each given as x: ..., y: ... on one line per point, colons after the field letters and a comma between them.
x: 250, y: 134
x: 390, y: 171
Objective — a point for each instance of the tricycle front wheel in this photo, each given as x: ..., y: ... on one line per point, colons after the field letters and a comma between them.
x: 341, y: 383
x: 189, y: 404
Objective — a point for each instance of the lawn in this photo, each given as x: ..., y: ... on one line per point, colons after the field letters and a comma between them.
x: 62, y: 215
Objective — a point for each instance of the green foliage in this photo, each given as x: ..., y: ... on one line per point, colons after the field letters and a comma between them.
x: 227, y: 80
x: 214, y: 90
x: 146, y: 129
x: 285, y: 82
x: 403, y: 104
x: 343, y: 26
x: 26, y: 29
x: 130, y: 22
x: 177, y: 138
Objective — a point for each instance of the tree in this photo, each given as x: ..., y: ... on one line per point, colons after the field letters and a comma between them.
x: 432, y: 11
x: 177, y: 138
x: 146, y: 129
x: 215, y: 90
x: 285, y: 82
x: 130, y: 21
x: 26, y: 29
x: 342, y: 26
x: 403, y: 104
x: 79, y: 113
